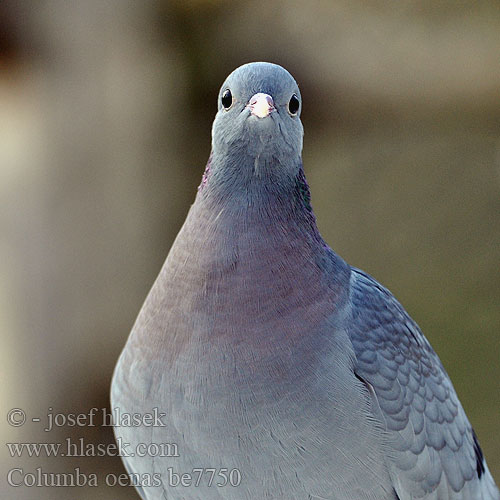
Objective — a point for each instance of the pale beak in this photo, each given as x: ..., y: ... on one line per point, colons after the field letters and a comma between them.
x: 261, y: 105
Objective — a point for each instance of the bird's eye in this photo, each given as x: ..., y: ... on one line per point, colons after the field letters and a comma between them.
x: 227, y: 99
x: 293, y: 105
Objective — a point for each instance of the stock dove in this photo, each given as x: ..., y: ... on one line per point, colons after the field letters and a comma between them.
x: 279, y: 371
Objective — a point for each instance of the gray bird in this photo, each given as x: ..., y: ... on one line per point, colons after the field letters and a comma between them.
x: 263, y: 366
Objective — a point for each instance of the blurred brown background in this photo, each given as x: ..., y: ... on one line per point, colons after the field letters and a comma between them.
x: 105, y: 115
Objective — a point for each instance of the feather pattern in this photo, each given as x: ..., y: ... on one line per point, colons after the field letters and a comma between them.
x: 434, y: 453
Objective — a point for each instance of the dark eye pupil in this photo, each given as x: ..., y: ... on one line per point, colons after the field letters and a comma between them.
x: 293, y: 105
x: 227, y: 99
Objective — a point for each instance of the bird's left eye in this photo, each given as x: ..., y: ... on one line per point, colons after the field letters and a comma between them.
x: 227, y: 99
x: 293, y: 105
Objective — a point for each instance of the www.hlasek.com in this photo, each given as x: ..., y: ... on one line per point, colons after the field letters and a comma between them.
x: 80, y: 448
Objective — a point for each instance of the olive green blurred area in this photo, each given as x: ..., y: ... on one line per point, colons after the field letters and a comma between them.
x: 105, y: 120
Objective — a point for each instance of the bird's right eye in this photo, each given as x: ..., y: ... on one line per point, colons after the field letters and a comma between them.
x: 227, y: 99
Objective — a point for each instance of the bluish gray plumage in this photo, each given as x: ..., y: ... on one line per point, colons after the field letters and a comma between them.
x: 271, y: 356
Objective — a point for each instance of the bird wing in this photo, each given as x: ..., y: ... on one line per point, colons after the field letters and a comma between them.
x: 432, y: 451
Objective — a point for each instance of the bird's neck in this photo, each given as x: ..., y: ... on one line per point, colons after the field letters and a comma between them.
x: 260, y: 234
x: 240, y: 262
x: 258, y: 190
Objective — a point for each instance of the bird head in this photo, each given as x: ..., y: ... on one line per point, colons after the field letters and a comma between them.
x: 258, y: 118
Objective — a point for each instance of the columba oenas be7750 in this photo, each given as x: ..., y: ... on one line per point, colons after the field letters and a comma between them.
x: 278, y: 366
